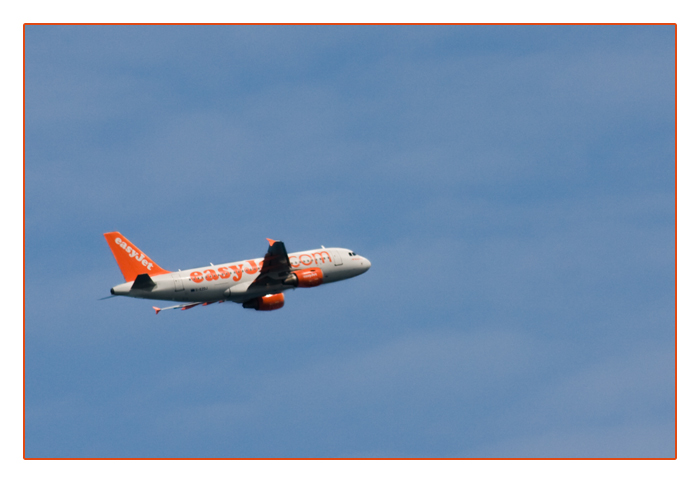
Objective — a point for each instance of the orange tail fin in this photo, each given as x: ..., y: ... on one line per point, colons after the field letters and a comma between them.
x: 132, y: 261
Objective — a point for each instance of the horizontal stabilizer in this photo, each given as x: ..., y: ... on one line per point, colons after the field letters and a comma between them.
x: 143, y: 282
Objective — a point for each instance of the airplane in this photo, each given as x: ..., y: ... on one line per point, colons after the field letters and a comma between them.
x: 257, y: 283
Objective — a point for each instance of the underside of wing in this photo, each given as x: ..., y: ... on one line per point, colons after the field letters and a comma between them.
x: 185, y: 306
x: 181, y: 306
x: 275, y: 268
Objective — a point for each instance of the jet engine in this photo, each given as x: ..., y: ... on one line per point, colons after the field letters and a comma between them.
x: 268, y: 302
x: 307, y: 277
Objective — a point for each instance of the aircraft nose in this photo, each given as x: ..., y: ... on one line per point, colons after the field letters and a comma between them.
x: 367, y: 264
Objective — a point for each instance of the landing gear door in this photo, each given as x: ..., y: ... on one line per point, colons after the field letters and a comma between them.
x: 338, y: 258
x: 179, y: 286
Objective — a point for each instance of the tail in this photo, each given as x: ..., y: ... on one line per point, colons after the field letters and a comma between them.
x: 132, y: 261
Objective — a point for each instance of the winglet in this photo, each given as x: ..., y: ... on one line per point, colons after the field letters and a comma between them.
x: 157, y: 310
x: 270, y: 241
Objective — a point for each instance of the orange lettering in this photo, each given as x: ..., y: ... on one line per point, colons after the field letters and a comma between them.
x: 253, y: 267
x: 224, y: 273
x: 294, y: 263
x: 237, y: 272
x: 196, y: 277
x: 301, y: 259
x: 211, y: 275
x: 316, y: 255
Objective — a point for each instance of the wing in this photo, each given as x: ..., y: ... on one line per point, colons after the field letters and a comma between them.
x: 185, y: 306
x: 275, y: 267
x: 181, y: 306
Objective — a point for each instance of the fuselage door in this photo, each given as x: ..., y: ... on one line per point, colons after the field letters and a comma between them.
x: 338, y: 258
x: 179, y: 286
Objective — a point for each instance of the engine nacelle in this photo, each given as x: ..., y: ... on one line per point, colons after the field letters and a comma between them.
x: 307, y: 277
x: 268, y: 302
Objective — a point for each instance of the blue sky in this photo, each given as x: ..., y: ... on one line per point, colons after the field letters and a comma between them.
x: 512, y: 186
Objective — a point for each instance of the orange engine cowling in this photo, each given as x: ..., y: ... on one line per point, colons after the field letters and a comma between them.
x: 307, y: 277
x: 268, y: 302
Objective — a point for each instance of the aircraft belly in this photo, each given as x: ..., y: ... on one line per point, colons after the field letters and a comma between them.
x: 204, y: 294
x: 242, y: 293
x: 166, y: 289
x: 333, y: 274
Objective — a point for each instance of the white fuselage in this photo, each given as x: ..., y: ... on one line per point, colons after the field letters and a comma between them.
x: 231, y: 281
